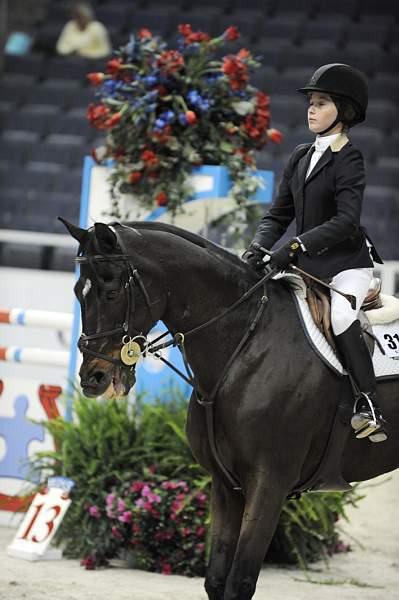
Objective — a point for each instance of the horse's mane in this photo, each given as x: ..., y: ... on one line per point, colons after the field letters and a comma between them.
x: 193, y: 238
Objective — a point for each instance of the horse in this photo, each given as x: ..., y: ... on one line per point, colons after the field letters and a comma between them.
x: 276, y: 404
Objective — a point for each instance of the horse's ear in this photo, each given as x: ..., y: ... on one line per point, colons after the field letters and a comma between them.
x: 76, y: 232
x: 106, y: 237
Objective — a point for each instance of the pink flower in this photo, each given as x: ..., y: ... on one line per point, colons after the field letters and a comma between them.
x: 199, y: 532
x: 137, y: 486
x: 186, y: 531
x: 166, y: 569
x: 146, y: 490
x: 88, y: 563
x: 121, y: 505
x: 110, y: 499
x: 94, y: 511
x: 140, y: 503
x: 200, y: 548
x: 126, y: 517
x: 116, y: 533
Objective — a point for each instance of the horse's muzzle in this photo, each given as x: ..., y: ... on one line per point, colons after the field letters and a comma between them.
x: 97, y: 380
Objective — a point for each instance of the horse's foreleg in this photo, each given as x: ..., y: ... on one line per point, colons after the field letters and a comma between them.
x: 261, y: 514
x: 227, y: 509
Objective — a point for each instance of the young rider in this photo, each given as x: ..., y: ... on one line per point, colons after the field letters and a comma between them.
x: 322, y: 189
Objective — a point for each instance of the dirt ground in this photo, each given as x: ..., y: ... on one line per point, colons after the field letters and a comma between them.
x: 369, y: 572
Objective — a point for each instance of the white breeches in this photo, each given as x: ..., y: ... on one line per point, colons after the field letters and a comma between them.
x: 352, y: 281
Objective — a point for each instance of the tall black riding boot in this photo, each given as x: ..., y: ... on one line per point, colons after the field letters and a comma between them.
x: 366, y: 420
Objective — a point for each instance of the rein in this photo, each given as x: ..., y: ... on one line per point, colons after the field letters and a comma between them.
x: 205, y: 400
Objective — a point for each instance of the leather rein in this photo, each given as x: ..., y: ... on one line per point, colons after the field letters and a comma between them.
x: 131, y: 334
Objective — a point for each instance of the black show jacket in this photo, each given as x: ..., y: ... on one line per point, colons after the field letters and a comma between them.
x: 326, y: 208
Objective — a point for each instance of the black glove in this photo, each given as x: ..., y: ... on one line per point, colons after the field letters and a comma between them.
x: 254, y: 258
x: 288, y: 253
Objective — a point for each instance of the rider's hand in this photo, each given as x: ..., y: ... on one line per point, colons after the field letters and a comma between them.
x: 288, y: 253
x: 254, y: 258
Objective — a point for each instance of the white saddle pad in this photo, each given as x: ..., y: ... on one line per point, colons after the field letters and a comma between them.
x: 385, y: 325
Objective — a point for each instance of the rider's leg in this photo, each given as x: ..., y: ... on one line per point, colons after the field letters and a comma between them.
x: 367, y: 420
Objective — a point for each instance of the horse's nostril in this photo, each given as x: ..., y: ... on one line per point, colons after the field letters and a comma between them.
x: 98, y: 376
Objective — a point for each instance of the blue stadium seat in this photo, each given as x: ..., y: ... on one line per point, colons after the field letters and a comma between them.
x: 383, y: 115
x: 363, y: 32
x: 158, y: 20
x: 72, y: 124
x: 331, y: 31
x: 53, y: 96
x: 273, y: 52
x: 367, y: 140
x: 29, y: 64
x: 382, y: 7
x: 66, y: 67
x: 14, y: 92
x: 113, y: 16
x: 326, y: 8
x: 385, y: 86
x: 280, y: 7
x: 286, y: 27
x: 289, y: 110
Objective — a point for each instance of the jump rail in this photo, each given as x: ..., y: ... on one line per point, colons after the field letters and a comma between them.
x: 36, y: 318
x: 34, y: 356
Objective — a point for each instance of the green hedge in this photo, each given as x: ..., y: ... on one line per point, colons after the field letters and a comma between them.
x: 138, y: 488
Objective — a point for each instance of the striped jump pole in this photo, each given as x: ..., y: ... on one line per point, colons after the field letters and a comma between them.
x: 36, y: 318
x: 34, y: 356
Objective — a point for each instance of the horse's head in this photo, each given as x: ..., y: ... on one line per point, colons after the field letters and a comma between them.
x: 120, y: 302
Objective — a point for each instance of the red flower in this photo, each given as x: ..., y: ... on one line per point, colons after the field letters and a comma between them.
x: 161, y: 199
x: 199, y: 532
x: 144, y: 34
x: 191, y: 117
x: 231, y: 33
x: 113, y: 120
x: 170, y: 61
x: 134, y: 177
x: 95, y: 78
x: 275, y: 135
x: 98, y: 115
x: 185, y: 29
x: 113, y: 66
x: 150, y: 159
x: 236, y: 71
x: 197, y: 36
x: 243, y: 53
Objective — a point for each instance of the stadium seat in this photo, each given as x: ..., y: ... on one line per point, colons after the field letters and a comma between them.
x: 289, y: 110
x: 331, y: 31
x: 378, y: 33
x: 383, y: 115
x: 286, y: 27
x: 65, y: 67
x: 367, y: 140
x: 31, y: 64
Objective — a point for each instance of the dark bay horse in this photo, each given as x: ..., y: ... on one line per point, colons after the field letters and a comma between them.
x: 273, y: 411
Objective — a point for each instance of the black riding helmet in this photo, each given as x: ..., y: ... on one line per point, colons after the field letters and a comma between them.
x: 343, y: 83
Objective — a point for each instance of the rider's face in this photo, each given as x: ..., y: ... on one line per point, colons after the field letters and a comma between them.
x: 322, y: 112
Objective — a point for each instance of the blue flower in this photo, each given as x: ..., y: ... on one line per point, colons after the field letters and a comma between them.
x: 150, y: 80
x: 160, y: 124
x: 183, y: 119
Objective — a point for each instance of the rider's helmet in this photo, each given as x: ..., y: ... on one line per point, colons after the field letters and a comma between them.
x: 347, y: 87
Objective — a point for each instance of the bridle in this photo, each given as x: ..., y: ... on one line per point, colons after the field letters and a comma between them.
x: 131, y: 334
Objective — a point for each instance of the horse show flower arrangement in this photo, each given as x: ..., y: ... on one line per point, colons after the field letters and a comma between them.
x: 166, y: 111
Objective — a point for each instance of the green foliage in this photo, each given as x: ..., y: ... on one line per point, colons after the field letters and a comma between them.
x: 113, y: 450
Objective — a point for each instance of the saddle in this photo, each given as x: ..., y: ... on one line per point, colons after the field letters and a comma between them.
x: 319, y: 302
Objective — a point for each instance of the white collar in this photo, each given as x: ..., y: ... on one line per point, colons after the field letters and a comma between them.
x: 323, y: 142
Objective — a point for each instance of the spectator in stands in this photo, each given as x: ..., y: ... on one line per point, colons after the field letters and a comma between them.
x: 322, y: 188
x: 83, y: 35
